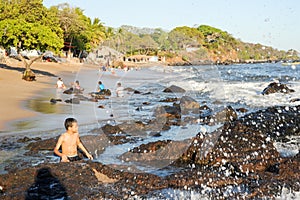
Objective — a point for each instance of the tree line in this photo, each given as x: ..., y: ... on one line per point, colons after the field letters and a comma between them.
x: 28, y: 24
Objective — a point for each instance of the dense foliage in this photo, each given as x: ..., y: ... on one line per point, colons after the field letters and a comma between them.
x: 29, y: 25
x: 205, y: 42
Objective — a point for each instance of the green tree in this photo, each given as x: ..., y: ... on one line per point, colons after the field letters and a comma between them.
x: 79, y: 30
x: 28, y: 25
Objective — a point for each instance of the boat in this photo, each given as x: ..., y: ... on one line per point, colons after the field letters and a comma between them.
x: 290, y: 63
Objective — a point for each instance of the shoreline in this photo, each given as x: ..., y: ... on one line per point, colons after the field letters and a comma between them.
x: 16, y: 91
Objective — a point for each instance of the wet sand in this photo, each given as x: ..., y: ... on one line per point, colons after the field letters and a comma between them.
x: 14, y: 90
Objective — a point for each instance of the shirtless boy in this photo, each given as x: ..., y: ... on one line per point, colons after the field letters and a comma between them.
x: 69, y: 141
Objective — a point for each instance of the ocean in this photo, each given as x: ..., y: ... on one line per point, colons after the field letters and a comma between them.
x: 215, y: 86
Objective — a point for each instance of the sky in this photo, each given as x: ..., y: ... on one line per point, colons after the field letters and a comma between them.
x: 272, y: 23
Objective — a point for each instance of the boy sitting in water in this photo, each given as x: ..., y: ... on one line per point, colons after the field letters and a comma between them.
x: 69, y: 141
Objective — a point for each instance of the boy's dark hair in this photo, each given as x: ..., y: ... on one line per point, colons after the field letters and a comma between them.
x: 69, y: 122
x: 99, y: 82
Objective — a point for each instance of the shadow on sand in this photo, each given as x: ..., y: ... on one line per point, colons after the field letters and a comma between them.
x: 22, y: 69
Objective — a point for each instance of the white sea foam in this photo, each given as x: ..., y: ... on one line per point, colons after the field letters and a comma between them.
x: 290, y: 148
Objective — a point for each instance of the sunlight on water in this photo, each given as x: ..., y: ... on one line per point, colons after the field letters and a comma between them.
x: 43, y: 105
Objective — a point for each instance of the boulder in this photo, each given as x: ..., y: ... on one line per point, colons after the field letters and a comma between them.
x: 236, y: 144
x: 73, y: 101
x: 277, y: 88
x: 174, y: 89
x: 189, y: 104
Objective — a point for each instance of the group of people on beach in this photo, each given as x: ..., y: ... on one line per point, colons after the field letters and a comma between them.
x: 76, y: 87
x: 69, y: 141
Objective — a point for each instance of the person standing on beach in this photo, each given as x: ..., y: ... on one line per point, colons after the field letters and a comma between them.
x: 69, y: 141
x: 60, y: 84
x: 120, y: 90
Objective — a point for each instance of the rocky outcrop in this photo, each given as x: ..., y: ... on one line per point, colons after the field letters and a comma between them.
x: 277, y: 88
x: 275, y: 122
x: 101, y: 95
x: 238, y: 161
x: 236, y: 144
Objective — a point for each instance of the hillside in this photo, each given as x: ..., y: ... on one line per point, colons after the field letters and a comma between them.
x: 189, y: 45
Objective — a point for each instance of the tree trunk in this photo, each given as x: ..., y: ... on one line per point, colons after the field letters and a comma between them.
x: 28, y: 74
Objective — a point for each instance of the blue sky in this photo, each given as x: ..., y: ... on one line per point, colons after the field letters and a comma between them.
x: 268, y: 22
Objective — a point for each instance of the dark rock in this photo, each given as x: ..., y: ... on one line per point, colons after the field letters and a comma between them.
x: 42, y: 145
x: 53, y: 101
x: 159, y: 153
x: 228, y: 114
x: 169, y: 99
x: 277, y: 87
x: 73, y: 101
x: 273, y: 168
x: 27, y: 139
x: 95, y: 144
x: 168, y: 111
x: 237, y: 144
x: 294, y: 100
x: 242, y: 110
x: 189, y: 104
x: 155, y: 134
x: 139, y: 108
x: 147, y: 93
x: 101, y: 95
x: 68, y: 91
x: 114, y: 134
x: 150, y: 147
x: 276, y: 122
x: 174, y: 89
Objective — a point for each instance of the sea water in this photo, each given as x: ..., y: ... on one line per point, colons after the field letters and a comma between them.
x: 215, y: 86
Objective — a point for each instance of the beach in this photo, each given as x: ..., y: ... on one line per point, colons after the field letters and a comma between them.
x: 14, y: 90
x: 154, y: 136
x: 18, y: 94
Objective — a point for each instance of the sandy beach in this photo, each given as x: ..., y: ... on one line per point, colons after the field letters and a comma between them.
x: 14, y: 90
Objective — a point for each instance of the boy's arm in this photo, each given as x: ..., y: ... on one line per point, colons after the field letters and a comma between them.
x: 80, y: 145
x: 64, y: 158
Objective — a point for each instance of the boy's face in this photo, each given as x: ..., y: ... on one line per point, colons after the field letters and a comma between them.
x: 74, y: 127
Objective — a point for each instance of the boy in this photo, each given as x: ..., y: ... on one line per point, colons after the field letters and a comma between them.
x: 60, y: 84
x: 69, y: 141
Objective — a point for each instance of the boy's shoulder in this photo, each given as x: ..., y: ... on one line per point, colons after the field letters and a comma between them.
x: 63, y: 135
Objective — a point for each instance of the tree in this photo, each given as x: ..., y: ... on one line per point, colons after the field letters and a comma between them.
x: 28, y: 74
x: 79, y: 30
x: 28, y: 25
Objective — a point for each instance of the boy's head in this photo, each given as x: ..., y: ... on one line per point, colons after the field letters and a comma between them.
x: 119, y: 84
x: 69, y: 122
